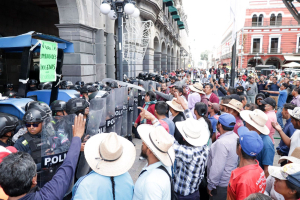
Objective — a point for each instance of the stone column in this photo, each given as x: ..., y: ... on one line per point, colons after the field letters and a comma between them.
x: 178, y: 63
x: 110, y: 48
x: 164, y: 58
x: 157, y: 62
x: 173, y: 64
x: 148, y: 62
x: 81, y: 64
x: 169, y: 59
x: 100, y: 51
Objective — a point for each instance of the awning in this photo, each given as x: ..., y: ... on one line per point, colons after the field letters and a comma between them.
x: 181, y: 27
x: 173, y: 10
x: 17, y: 43
x: 292, y: 58
x: 176, y: 17
x: 292, y: 64
x: 169, y: 2
x: 180, y: 23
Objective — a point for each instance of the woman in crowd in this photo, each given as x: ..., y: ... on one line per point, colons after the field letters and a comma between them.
x: 200, y: 113
x: 150, y: 101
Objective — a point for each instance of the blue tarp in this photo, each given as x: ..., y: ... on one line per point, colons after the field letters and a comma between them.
x: 14, y: 107
x: 44, y: 95
x: 17, y: 43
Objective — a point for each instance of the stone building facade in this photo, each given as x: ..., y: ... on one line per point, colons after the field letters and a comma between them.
x: 94, y: 34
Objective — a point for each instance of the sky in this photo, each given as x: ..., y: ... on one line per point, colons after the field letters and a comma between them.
x: 207, y: 22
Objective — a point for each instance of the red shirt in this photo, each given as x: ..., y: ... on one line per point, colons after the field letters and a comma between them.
x: 214, y: 98
x: 245, y: 181
x: 238, y: 124
x: 151, y: 109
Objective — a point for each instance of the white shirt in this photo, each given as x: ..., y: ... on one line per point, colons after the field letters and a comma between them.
x: 295, y: 141
x: 153, y: 184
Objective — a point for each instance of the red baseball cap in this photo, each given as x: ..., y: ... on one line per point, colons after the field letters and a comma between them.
x: 6, y: 151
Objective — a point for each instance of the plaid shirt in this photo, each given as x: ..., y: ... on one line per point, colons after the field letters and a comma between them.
x: 190, y: 168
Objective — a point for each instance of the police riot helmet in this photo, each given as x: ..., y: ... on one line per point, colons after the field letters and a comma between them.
x: 77, y: 87
x: 9, y: 85
x: 92, y: 89
x: 34, y: 115
x: 32, y: 82
x: 7, y: 123
x: 81, y: 83
x: 10, y: 94
x: 141, y: 83
x: 76, y: 106
x: 101, y: 85
x: 38, y: 105
x: 45, y: 86
x: 58, y: 105
x: 84, y: 89
x: 66, y: 84
x: 113, y: 84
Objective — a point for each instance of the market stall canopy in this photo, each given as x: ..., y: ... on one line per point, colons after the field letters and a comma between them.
x: 173, y: 10
x: 292, y: 58
x: 292, y: 64
x: 17, y: 43
x: 169, y: 2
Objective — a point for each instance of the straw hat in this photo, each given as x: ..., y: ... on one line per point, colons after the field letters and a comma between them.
x: 234, y: 104
x: 159, y: 141
x: 294, y: 157
x: 195, y: 132
x: 175, y: 105
x: 257, y: 119
x: 197, y: 87
x: 109, y: 154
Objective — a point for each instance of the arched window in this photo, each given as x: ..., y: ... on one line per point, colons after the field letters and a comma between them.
x: 254, y: 20
x: 272, y: 20
x: 279, y: 20
x: 260, y: 20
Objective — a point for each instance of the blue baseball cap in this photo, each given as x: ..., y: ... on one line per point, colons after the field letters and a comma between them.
x: 250, y: 141
x: 227, y: 120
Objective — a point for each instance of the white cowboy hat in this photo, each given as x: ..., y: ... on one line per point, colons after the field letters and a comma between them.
x: 294, y: 157
x: 295, y: 113
x: 234, y: 104
x: 257, y: 119
x: 109, y: 154
x: 175, y: 105
x: 197, y: 87
x: 195, y: 132
x: 159, y: 141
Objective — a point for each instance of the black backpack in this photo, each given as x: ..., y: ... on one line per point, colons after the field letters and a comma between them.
x: 173, y: 194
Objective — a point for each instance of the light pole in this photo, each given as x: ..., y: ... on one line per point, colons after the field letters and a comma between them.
x: 110, y: 8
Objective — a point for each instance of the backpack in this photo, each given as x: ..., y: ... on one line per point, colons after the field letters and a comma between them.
x: 173, y: 194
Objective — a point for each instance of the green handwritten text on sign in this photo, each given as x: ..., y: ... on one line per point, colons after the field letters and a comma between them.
x: 48, y: 59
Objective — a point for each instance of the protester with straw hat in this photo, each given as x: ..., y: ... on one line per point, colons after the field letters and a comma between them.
x: 177, y: 112
x: 222, y: 158
x: 110, y: 157
x: 287, y: 180
x: 191, y: 158
x: 256, y: 121
x: 154, y: 181
x: 248, y: 178
x: 294, y: 141
x: 234, y: 107
x: 293, y: 158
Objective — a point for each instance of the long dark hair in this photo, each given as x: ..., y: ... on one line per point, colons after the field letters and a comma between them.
x: 201, y: 109
x: 113, y: 187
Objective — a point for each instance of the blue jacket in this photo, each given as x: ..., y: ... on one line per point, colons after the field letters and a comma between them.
x: 289, y: 130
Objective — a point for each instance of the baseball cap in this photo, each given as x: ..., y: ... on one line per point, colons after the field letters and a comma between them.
x: 5, y: 151
x: 270, y: 101
x: 250, y: 141
x: 227, y: 120
x: 295, y: 113
x: 215, y: 106
x: 289, y: 172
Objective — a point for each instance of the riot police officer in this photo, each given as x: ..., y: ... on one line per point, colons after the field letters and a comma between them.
x: 32, y: 84
x: 66, y: 85
x: 39, y: 105
x: 9, y: 87
x: 45, y: 86
x: 58, y: 108
x: 80, y: 83
x: 8, y: 124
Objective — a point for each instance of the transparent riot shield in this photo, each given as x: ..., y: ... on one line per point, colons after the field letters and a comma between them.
x: 124, y: 115
x: 151, y: 85
x: 130, y: 118
x: 135, y: 94
x: 110, y: 112
x: 102, y: 125
x: 119, y: 98
x: 92, y: 128
x: 56, y: 138
x: 146, y: 86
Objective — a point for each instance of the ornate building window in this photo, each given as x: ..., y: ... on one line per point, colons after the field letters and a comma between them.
x: 276, y: 20
x: 257, y: 20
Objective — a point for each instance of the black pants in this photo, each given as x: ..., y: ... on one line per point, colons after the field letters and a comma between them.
x: 220, y: 193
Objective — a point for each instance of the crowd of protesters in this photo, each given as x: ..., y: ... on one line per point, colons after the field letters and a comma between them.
x: 201, y: 138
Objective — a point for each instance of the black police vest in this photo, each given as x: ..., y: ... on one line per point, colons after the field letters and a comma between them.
x: 35, y: 145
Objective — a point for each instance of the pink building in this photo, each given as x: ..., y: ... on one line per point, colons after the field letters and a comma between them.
x: 270, y: 36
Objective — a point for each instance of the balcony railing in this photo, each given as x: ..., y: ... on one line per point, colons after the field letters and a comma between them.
x: 254, y: 51
x: 275, y: 51
x: 268, y: 23
x: 225, y: 56
x: 296, y: 51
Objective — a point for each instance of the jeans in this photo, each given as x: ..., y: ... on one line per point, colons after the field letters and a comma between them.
x: 251, y: 99
x: 194, y: 196
x: 279, y: 116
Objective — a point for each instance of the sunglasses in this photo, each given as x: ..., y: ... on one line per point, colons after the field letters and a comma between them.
x: 34, y: 125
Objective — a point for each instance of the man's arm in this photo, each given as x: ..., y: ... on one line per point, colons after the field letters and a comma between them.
x: 266, y: 167
x: 286, y: 140
x: 271, y: 92
x: 165, y: 96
